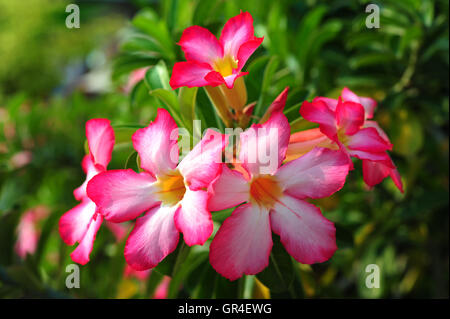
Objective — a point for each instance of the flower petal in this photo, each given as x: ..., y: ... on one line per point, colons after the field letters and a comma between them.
x: 319, y: 173
x: 331, y: 103
x: 193, y: 218
x: 397, y: 179
x: 380, y: 131
x: 237, y: 31
x: 153, y: 238
x: 74, y: 224
x: 81, y: 253
x: 304, y: 141
x: 91, y: 170
x: 122, y: 195
x: 263, y: 146
x: 229, y: 80
x: 368, y: 140
x: 246, y: 50
x: 369, y: 104
x: 349, y: 116
x: 200, y: 45
x: 374, y: 173
x: 100, y: 136
x: 307, y: 235
x: 157, y: 144
x: 162, y: 291
x: 243, y: 243
x: 318, y: 112
x: 27, y: 235
x: 277, y: 105
x: 201, y: 165
x: 190, y: 74
x: 229, y: 189
x: 373, y: 156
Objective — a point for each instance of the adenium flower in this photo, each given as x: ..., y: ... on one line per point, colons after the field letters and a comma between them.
x: 28, y: 232
x: 345, y: 124
x: 274, y: 200
x: 140, y: 275
x: 134, y: 78
x: 214, y: 62
x: 162, y: 291
x: 172, y: 195
x: 81, y: 223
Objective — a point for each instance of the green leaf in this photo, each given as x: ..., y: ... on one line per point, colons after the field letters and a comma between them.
x: 278, y: 276
x: 308, y: 25
x: 157, y: 77
x: 170, y: 100
x: 186, y: 99
x: 123, y: 134
x: 204, y: 11
x: 129, y: 61
x: 197, y: 255
x: 206, y: 281
x: 10, y: 193
x: 152, y: 283
x: 220, y: 216
x: 143, y: 44
x: 148, y: 22
x: 168, y: 265
x: 269, y: 72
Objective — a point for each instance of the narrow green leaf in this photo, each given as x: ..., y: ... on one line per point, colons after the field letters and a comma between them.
x: 278, y: 276
x: 157, y: 77
x: 186, y: 99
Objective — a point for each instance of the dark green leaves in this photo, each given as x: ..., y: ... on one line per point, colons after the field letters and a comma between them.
x: 279, y: 275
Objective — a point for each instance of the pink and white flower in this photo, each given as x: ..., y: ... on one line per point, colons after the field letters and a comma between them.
x: 214, y: 62
x: 135, y: 76
x: 81, y: 223
x: 28, y: 232
x: 162, y: 291
x: 274, y: 200
x: 345, y: 124
x: 172, y: 195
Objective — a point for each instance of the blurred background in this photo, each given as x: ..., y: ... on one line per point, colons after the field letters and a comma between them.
x: 53, y: 79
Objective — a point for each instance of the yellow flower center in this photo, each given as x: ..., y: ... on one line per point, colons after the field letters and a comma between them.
x: 343, y: 138
x: 225, y: 65
x: 171, y: 188
x: 265, y: 190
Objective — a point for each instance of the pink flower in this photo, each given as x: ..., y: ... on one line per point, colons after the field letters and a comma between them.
x: 214, y: 62
x: 367, y: 103
x: 162, y: 290
x: 344, y: 123
x: 134, y: 78
x: 140, y: 275
x: 21, y: 159
x: 27, y: 231
x: 172, y: 195
x: 275, y: 200
x: 81, y: 223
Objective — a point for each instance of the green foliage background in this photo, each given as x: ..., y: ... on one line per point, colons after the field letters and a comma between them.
x: 53, y: 79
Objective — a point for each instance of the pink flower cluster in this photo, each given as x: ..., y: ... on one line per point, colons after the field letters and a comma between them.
x: 172, y: 195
